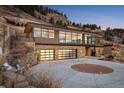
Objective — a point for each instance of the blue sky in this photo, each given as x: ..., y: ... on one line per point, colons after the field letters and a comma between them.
x: 105, y: 16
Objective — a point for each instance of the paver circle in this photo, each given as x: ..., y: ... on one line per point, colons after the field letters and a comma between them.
x: 92, y: 68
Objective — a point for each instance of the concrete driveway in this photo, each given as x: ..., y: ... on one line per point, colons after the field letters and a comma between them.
x: 61, y: 70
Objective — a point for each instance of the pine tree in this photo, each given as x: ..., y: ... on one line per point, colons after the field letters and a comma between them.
x: 51, y: 20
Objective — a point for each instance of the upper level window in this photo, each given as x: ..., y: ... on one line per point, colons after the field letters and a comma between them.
x: 79, y: 38
x: 74, y: 37
x: 1, y: 34
x: 86, y: 39
x: 93, y: 39
x: 45, y: 33
x: 36, y: 32
x: 62, y: 37
x: 68, y: 37
x: 89, y: 39
x: 51, y: 33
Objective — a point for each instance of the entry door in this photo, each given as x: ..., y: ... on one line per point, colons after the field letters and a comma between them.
x: 87, y: 51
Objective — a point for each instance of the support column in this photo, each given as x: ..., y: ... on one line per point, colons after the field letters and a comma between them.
x: 80, y: 52
x: 56, y: 54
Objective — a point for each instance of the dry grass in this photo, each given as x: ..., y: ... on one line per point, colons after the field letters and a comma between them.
x: 28, y: 60
x: 24, y: 56
x: 43, y: 80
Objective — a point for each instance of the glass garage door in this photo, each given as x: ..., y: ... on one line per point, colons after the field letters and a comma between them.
x: 67, y: 54
x: 46, y: 55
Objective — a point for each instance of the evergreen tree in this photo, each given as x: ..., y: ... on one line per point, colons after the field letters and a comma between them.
x: 73, y: 24
x: 51, y: 20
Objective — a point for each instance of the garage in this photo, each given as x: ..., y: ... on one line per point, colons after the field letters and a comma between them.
x: 67, y: 54
x: 47, y: 54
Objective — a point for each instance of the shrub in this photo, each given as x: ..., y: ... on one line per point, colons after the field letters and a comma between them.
x: 43, y: 80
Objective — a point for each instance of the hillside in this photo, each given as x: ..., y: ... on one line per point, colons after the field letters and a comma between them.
x: 16, y: 15
x: 114, y: 35
x: 21, y: 14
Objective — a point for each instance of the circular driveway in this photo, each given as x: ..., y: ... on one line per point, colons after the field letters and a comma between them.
x: 61, y: 70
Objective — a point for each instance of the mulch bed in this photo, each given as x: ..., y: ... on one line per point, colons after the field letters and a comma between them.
x: 92, y: 68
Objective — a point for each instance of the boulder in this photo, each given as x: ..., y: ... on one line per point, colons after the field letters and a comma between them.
x: 14, y: 76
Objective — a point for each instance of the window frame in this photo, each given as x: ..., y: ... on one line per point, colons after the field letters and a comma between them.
x: 36, y: 29
x: 63, y: 37
x: 43, y: 33
x: 51, y: 32
x: 46, y: 31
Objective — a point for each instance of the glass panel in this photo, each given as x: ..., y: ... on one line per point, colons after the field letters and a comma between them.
x: 51, y: 58
x: 51, y: 33
x: 68, y: 37
x: 86, y: 39
x: 62, y: 37
x: 45, y: 33
x: 67, y: 54
x: 1, y: 31
x: 46, y: 55
x: 74, y: 37
x: 79, y: 39
x: 36, y: 32
x: 47, y: 50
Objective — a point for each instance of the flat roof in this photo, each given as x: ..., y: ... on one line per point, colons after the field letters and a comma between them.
x: 59, y: 27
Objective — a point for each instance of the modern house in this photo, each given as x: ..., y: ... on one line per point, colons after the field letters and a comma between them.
x: 56, y: 43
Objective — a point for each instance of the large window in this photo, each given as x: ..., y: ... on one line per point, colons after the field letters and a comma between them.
x: 36, y: 32
x: 51, y: 33
x: 74, y: 38
x: 93, y: 39
x: 67, y: 54
x: 1, y: 31
x: 43, y: 33
x: 46, y: 55
x: 70, y: 37
x: 1, y: 34
x: 89, y: 39
x: 79, y: 38
x: 62, y: 37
